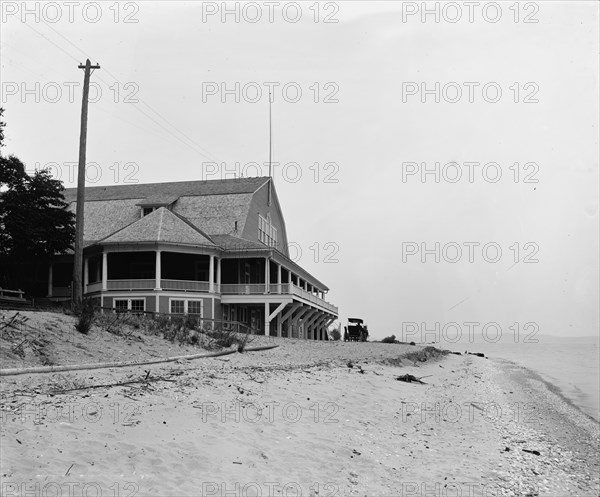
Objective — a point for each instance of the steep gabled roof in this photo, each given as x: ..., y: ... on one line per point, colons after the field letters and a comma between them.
x: 162, y: 225
x: 168, y: 190
x: 214, y: 206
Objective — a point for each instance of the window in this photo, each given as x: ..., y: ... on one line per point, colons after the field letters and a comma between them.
x: 147, y: 210
x: 194, y: 307
x: 267, y: 233
x: 133, y: 305
x: 177, y: 306
x: 186, y: 306
x: 137, y: 305
x: 121, y: 305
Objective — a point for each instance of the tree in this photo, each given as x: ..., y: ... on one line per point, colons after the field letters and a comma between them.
x: 335, y: 332
x: 34, y: 222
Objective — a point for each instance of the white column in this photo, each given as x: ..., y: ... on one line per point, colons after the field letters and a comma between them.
x: 158, y: 271
x: 104, y: 270
x: 86, y: 274
x: 267, y: 322
x: 267, y: 274
x: 211, y: 275
x: 219, y: 274
x: 50, y: 280
x: 290, y: 281
x: 279, y: 278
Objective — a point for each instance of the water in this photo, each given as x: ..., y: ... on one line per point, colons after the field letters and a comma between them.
x: 571, y: 364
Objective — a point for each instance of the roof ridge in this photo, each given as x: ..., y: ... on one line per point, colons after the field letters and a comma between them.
x: 193, y: 226
x: 160, y: 222
x: 169, y: 183
x: 118, y: 231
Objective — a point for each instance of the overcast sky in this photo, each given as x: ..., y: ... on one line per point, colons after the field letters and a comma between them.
x: 357, y: 109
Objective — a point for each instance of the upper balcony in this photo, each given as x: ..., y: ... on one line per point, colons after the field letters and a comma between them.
x: 276, y: 289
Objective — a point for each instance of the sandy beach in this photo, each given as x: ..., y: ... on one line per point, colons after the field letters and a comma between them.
x: 304, y: 418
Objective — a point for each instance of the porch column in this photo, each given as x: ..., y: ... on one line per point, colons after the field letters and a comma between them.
x: 267, y: 321
x: 290, y: 290
x: 267, y: 274
x: 211, y: 274
x: 104, y: 271
x: 158, y: 271
x: 219, y: 275
x: 50, y: 280
x: 279, y: 278
x: 86, y: 274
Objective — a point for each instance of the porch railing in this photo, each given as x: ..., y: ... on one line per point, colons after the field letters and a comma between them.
x: 131, y: 284
x: 245, y: 289
x: 61, y: 291
x: 150, y: 284
x: 93, y: 287
x: 277, y: 289
x: 280, y: 288
x: 203, y: 286
x: 11, y: 294
x: 185, y: 285
x: 311, y: 297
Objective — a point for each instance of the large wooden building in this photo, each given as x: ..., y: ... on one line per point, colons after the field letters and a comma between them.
x: 217, y: 249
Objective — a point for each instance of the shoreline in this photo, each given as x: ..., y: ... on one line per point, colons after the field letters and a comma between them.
x: 585, y: 400
x: 333, y: 419
x: 549, y: 385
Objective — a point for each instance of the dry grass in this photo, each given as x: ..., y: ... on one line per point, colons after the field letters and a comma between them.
x: 421, y: 355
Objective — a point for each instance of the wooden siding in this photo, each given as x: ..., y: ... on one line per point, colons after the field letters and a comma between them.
x: 259, y: 205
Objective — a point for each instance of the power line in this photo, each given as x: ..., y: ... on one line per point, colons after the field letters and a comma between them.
x: 193, y: 145
x: 49, y: 40
x: 202, y: 150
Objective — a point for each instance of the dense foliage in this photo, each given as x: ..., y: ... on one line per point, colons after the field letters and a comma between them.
x: 34, y: 222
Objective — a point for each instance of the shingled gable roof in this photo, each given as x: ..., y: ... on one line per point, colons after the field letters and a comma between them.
x: 167, y: 192
x: 162, y: 225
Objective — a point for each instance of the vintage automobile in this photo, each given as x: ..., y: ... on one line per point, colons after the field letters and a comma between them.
x: 355, y: 331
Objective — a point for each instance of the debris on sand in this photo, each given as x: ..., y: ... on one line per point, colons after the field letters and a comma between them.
x: 409, y: 378
x: 478, y: 354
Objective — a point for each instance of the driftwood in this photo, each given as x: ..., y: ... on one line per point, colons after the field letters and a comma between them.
x: 409, y: 378
x: 13, y: 321
x: 146, y: 380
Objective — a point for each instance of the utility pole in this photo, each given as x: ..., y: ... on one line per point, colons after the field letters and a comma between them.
x: 77, y: 290
x: 270, y: 151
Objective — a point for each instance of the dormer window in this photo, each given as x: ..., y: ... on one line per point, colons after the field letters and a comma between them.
x: 267, y: 233
x: 147, y: 210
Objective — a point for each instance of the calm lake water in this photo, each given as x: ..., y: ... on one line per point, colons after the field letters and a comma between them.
x: 571, y: 364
